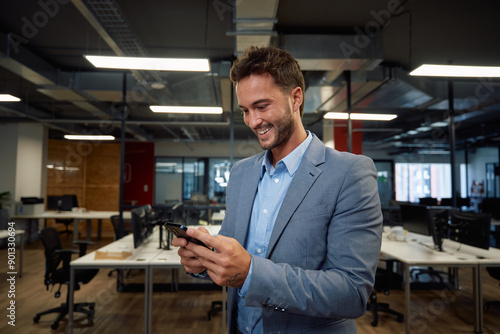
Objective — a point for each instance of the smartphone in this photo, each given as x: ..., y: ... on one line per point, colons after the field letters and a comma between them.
x: 180, y: 232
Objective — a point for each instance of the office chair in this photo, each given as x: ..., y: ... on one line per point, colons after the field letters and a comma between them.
x: 384, y: 280
x: 57, y: 271
x: 216, y: 307
x: 66, y: 223
x: 495, y: 273
x: 127, y: 226
x: 66, y: 203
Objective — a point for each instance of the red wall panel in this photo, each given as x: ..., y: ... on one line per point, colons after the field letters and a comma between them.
x: 139, y: 173
x: 340, y: 136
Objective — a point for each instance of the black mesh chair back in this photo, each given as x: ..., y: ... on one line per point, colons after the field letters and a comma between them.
x: 53, y: 260
x: 57, y: 271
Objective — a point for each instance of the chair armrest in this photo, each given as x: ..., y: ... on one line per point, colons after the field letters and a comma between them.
x: 66, y: 252
x: 66, y: 259
x: 82, y: 244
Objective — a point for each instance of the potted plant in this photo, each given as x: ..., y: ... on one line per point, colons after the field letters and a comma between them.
x: 4, y: 197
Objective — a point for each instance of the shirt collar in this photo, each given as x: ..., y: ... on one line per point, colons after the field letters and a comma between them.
x: 291, y: 161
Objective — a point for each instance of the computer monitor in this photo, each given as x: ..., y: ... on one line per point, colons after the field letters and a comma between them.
x: 141, y: 225
x: 492, y: 206
x: 174, y: 214
x: 178, y: 214
x: 62, y: 203
x: 414, y: 218
x: 460, y: 202
x: 438, y: 222
x: 470, y: 228
x: 428, y: 201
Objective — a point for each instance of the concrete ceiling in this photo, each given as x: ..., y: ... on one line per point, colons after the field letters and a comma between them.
x: 42, y: 44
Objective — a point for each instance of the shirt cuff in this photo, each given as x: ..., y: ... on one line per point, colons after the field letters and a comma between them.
x: 242, y: 292
x: 202, y: 275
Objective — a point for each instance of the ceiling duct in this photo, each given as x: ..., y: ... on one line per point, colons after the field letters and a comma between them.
x: 254, y: 23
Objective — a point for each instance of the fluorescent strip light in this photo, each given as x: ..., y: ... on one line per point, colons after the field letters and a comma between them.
x: 457, y: 71
x: 424, y: 128
x: 187, y: 110
x: 89, y: 137
x: 439, y: 124
x: 360, y: 116
x: 373, y: 117
x: 150, y: 64
x: 433, y: 152
x: 8, y: 98
x: 336, y: 115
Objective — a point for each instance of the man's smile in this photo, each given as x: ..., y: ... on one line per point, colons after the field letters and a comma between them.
x: 264, y: 131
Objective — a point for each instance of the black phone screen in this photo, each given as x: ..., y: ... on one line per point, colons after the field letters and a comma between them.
x: 180, y: 232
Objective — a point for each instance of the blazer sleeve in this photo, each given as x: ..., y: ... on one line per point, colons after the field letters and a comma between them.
x: 340, y: 285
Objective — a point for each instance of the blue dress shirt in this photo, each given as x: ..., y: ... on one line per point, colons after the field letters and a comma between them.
x: 273, y: 186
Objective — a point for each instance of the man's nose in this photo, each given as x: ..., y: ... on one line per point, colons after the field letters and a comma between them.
x: 252, y: 119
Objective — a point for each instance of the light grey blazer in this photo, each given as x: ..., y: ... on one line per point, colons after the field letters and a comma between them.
x: 320, y: 265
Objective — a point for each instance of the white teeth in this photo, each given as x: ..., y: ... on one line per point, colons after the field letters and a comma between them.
x: 264, y: 131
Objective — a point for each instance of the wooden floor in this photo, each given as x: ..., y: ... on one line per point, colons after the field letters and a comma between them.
x: 433, y: 311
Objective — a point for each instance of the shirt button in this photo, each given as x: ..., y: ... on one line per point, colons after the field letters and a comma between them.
x: 265, y: 210
x: 259, y: 250
x: 247, y: 329
x: 276, y: 180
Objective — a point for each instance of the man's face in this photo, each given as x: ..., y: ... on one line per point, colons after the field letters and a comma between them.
x: 266, y: 110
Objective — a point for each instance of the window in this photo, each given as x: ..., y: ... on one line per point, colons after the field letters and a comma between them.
x: 219, y: 175
x: 414, y: 181
x: 177, y: 178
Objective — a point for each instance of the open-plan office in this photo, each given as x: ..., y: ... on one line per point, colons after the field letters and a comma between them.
x: 434, y: 139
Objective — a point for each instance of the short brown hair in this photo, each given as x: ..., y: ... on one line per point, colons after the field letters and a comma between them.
x: 280, y: 64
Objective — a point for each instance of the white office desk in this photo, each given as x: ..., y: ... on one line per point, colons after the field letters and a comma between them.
x: 166, y: 259
x: 485, y: 258
x: 87, y: 216
x: 411, y: 253
x: 139, y: 259
x: 147, y: 257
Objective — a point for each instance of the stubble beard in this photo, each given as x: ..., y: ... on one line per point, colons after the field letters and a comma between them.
x: 282, y: 131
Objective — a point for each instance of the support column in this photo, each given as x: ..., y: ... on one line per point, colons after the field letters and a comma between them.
x: 328, y: 133
x: 451, y: 132
x: 23, y: 159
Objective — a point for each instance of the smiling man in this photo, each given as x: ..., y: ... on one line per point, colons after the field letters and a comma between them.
x: 300, y: 241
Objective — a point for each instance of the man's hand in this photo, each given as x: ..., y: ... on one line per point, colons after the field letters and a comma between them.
x: 188, y: 258
x: 228, y: 265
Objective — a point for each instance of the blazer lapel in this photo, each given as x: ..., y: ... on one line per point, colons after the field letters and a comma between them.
x: 304, y: 178
x: 251, y: 180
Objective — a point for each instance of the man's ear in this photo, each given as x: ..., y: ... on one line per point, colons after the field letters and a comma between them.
x: 297, y: 98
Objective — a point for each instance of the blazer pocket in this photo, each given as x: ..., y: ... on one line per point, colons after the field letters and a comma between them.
x: 310, y: 213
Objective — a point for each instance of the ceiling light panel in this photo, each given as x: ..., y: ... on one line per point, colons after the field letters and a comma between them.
x: 150, y: 64
x: 457, y: 71
x: 89, y: 137
x: 9, y: 98
x: 186, y: 110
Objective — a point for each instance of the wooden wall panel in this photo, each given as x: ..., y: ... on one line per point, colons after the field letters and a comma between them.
x: 103, y: 197
x: 103, y: 165
x: 89, y: 170
x: 64, y: 167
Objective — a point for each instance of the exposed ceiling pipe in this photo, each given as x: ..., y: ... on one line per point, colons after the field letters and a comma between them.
x: 133, y: 122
